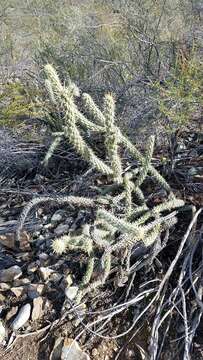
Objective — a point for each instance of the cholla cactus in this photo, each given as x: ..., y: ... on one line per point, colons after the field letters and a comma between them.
x: 81, y: 242
x: 112, y: 138
x: 122, y: 217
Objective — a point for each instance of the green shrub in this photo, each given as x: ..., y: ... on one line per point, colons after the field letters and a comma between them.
x: 16, y: 103
x: 180, y: 97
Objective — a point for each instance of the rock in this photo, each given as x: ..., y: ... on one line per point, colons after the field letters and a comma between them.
x: 69, y: 280
x: 43, y: 256
x: 2, y: 332
x: 45, y: 218
x: 21, y: 282
x: 10, y: 274
x: 37, y: 311
x: 69, y: 221
x: 57, y: 349
x: 41, y: 238
x: 11, y: 313
x: 18, y: 290
x: 32, y: 267
x: 192, y: 171
x: 61, y: 229
x: 25, y: 241
x: 56, y: 277
x: 21, y: 318
x: 2, y: 299
x: 72, y: 351
x: 94, y: 352
x: 8, y: 240
x: 4, y: 287
x: 45, y: 272
x: 71, y: 292
x: 35, y: 290
x: 6, y: 260
x: 58, y: 216
x: 25, y: 256
x: 48, y: 226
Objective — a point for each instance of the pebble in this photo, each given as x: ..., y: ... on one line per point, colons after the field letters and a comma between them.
x: 55, y: 277
x: 2, y: 298
x: 35, y: 290
x: 4, y: 287
x: 58, y: 216
x: 61, y: 229
x: 2, y: 332
x: 21, y: 318
x: 37, y: 311
x: 43, y: 256
x: 72, y: 351
x: 69, y: 280
x: 45, y: 272
x: 21, y: 282
x: 48, y: 226
x: 71, y: 292
x: 11, y: 312
x: 56, y: 352
x: 10, y: 274
x: 32, y: 267
x: 17, y: 290
x: 94, y: 352
x: 8, y: 240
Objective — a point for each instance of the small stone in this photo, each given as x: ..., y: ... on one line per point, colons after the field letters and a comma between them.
x: 35, y: 290
x: 25, y: 241
x: 94, y: 352
x: 32, y: 267
x: 58, y: 216
x: 2, y: 332
x: 55, y: 277
x: 37, y: 311
x: 69, y: 280
x: 48, y: 226
x: 71, y: 292
x: 8, y: 240
x: 21, y: 282
x: 17, y: 290
x: 40, y: 211
x: 2, y: 299
x: 56, y: 352
x: 4, y: 287
x: 61, y: 229
x: 192, y: 171
x: 43, y: 256
x: 69, y: 221
x: 11, y: 312
x: 10, y: 274
x: 25, y: 256
x: 45, y: 272
x: 21, y: 318
x: 72, y: 351
x: 130, y: 354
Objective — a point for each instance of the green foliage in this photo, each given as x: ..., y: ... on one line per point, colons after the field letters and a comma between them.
x: 180, y: 98
x: 15, y: 103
